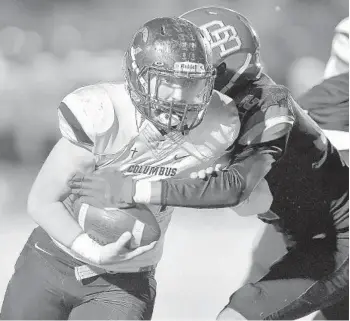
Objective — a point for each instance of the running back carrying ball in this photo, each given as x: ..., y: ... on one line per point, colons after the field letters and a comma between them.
x: 107, y: 225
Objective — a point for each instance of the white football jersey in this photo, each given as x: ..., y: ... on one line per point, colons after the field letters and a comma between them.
x: 103, y: 119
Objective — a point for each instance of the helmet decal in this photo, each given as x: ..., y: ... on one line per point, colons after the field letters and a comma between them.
x: 234, y: 42
x: 239, y: 72
x: 221, y: 35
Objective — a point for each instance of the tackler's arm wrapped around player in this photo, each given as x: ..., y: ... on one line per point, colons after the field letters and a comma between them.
x: 228, y: 187
x: 240, y: 184
x: 259, y: 145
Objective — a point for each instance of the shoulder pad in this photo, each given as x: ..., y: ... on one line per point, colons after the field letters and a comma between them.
x: 269, y: 118
x: 85, y: 113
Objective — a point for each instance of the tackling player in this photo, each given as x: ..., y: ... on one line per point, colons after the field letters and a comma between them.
x: 328, y: 104
x: 167, y: 120
x: 279, y: 142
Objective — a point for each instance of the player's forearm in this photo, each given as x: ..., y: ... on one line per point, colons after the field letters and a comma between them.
x: 56, y: 221
x: 225, y: 189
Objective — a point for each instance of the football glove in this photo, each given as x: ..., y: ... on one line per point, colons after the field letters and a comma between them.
x: 106, y: 188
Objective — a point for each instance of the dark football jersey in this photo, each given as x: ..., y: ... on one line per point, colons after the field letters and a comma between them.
x: 278, y: 141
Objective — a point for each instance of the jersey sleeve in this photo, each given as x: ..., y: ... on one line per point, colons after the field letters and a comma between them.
x: 226, y: 188
x: 84, y: 114
x: 268, y: 119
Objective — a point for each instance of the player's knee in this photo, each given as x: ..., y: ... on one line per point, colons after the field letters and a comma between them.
x: 244, y: 299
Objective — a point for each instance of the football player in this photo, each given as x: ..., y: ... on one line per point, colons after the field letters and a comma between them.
x: 165, y: 121
x: 277, y: 141
x: 328, y: 104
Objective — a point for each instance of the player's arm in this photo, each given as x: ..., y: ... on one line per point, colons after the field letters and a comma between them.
x: 45, y: 205
x: 226, y: 188
x: 72, y: 153
x: 45, y: 201
x: 262, y: 142
x: 80, y: 120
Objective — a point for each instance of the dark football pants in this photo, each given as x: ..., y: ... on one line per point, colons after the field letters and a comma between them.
x: 309, y: 277
x: 44, y: 287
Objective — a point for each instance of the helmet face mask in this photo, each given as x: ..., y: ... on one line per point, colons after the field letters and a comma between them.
x: 177, y: 101
x: 171, y: 89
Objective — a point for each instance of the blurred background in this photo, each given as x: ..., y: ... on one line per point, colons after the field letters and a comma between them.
x: 49, y: 48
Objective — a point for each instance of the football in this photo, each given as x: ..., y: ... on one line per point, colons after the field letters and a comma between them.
x: 107, y: 225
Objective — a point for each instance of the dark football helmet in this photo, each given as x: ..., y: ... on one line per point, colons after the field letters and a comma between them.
x: 235, y: 45
x: 169, y: 73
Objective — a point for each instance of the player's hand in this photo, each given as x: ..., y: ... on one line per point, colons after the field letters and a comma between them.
x: 205, y: 173
x: 103, y: 188
x: 110, y: 253
x: 118, y: 252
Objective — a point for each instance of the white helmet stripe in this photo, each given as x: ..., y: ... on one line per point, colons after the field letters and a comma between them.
x: 239, y: 72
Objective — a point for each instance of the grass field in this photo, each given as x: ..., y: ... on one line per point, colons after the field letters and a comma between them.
x: 206, y: 256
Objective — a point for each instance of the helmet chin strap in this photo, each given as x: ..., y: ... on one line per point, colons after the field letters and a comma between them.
x: 141, y: 117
